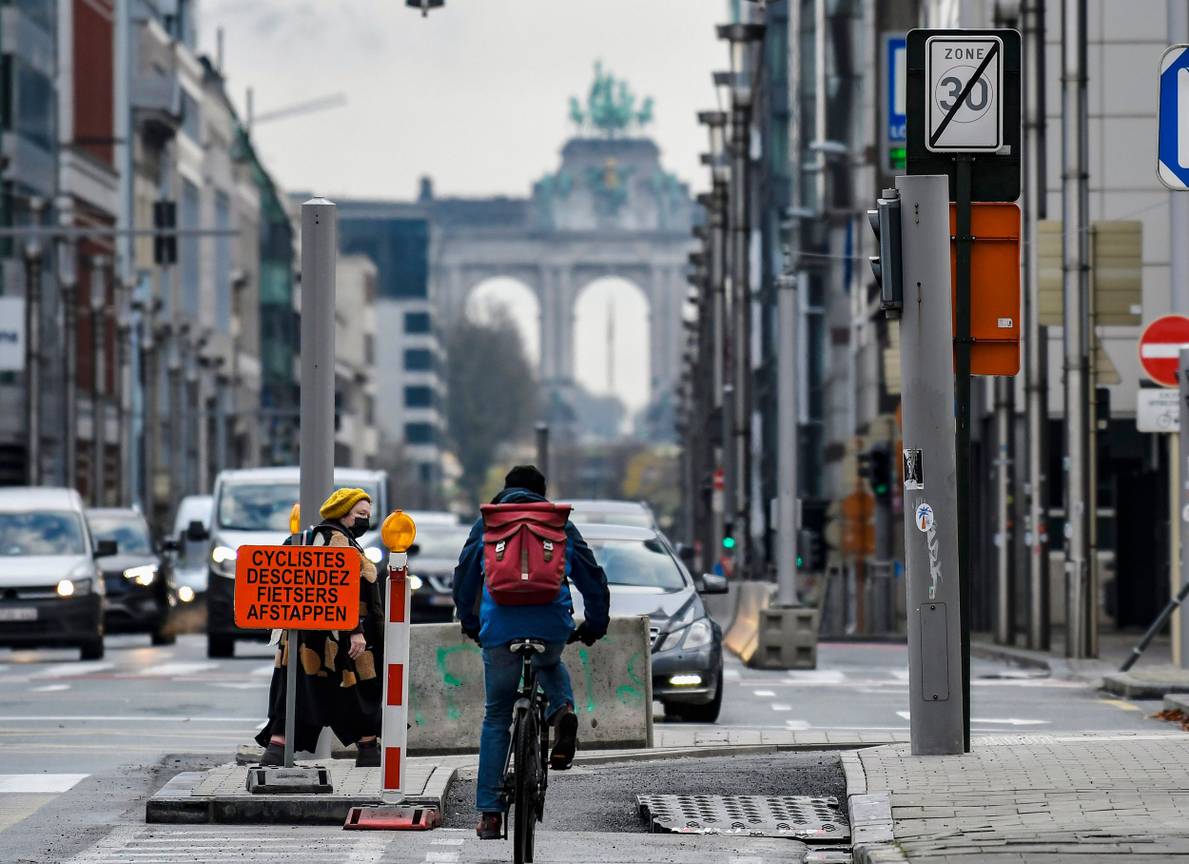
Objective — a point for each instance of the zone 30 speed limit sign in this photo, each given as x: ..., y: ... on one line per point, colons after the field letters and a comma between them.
x: 964, y: 100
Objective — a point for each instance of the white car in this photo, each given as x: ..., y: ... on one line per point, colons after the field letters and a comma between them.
x: 51, y: 590
x: 193, y: 520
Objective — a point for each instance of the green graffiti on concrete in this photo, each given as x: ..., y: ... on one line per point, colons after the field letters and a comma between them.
x: 587, y: 679
x: 626, y: 693
x: 414, y: 700
x: 448, y: 678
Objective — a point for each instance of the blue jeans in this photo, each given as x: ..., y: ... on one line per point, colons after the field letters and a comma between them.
x: 501, y: 674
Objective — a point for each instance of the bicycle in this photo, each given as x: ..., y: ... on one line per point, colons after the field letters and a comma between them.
x: 526, y: 767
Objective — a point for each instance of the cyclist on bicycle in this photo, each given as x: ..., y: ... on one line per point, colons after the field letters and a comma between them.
x: 494, y: 626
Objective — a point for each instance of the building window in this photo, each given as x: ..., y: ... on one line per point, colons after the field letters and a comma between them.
x: 418, y: 360
x: 416, y: 322
x: 191, y: 117
x: 419, y: 433
x: 419, y: 397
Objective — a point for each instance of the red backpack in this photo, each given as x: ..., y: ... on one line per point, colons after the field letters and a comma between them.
x: 524, y: 552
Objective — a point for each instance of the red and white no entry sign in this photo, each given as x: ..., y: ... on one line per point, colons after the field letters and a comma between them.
x: 1160, y: 347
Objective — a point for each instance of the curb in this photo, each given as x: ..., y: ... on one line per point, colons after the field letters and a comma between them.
x: 1134, y: 687
x: 870, y: 814
x: 1008, y: 654
x: 1176, y: 702
x: 710, y: 750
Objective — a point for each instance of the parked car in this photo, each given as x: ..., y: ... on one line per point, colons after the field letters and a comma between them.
x: 140, y: 593
x: 589, y: 511
x: 431, y: 567
x: 190, y: 565
x: 51, y: 590
x: 647, y: 578
x: 251, y: 507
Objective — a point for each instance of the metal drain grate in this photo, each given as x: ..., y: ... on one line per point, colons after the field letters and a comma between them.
x: 796, y: 816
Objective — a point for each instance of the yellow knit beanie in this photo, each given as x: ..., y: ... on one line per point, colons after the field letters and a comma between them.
x: 341, y: 501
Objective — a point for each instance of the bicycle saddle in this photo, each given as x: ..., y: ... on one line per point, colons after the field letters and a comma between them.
x: 527, y: 646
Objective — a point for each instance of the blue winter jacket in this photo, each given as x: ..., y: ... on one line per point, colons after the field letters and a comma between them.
x: 551, y: 622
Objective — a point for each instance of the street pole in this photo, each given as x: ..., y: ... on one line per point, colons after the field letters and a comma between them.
x: 741, y: 265
x: 319, y: 248
x: 786, y: 419
x: 937, y: 701
x: 99, y: 264
x: 151, y: 386
x: 33, y: 252
x: 1075, y: 281
x: 68, y: 278
x: 964, y: 241
x: 123, y: 317
x: 543, y: 448
x: 1180, y: 621
x: 1004, y: 628
x: 1178, y: 204
x: 1036, y: 337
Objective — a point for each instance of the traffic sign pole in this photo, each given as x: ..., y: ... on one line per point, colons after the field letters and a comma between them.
x: 1180, y: 621
x: 964, y: 242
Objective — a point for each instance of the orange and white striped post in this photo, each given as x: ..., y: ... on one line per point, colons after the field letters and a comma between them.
x: 398, y: 533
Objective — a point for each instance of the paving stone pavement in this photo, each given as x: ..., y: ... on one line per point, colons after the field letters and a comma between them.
x: 1024, y: 798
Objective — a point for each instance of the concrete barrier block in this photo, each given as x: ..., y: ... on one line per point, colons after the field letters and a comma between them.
x: 743, y: 636
x: 787, y: 638
x: 612, y: 683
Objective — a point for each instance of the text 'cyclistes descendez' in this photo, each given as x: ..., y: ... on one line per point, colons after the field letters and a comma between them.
x: 297, y: 587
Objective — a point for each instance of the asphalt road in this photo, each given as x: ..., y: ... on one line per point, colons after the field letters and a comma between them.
x: 83, y: 744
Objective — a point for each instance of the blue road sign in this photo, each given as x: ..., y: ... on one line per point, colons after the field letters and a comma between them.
x: 896, y: 50
x: 1172, y: 154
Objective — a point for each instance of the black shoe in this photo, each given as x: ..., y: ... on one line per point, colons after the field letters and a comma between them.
x: 368, y: 755
x: 490, y: 826
x: 274, y: 755
x: 567, y: 742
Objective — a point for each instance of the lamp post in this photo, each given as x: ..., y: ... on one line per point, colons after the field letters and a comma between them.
x: 99, y: 268
x: 743, y: 39
x: 722, y: 501
x: 33, y: 252
x: 68, y: 280
x: 123, y: 319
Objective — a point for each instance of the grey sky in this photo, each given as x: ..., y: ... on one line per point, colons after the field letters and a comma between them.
x: 475, y: 95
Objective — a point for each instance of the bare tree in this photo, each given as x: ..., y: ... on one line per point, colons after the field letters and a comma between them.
x: 493, y: 395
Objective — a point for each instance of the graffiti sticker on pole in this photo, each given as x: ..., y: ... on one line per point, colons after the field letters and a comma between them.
x: 963, y: 102
x: 297, y: 588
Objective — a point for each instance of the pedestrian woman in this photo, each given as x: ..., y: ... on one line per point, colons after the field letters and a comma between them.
x: 337, y: 685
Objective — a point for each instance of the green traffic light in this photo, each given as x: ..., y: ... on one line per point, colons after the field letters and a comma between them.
x: 898, y: 158
x: 728, y: 542
x: 881, y: 489
x: 800, y: 562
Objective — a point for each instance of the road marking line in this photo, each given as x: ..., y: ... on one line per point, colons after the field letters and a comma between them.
x: 39, y: 784
x: 768, y: 693
x: 1010, y: 721
x: 50, y: 688
x: 166, y: 670
x: 904, y: 715
x: 780, y: 706
x: 796, y: 725
x: 1121, y: 704
x: 815, y: 676
x: 447, y: 841
x: 263, y: 671
x: 72, y: 670
x: 119, y: 718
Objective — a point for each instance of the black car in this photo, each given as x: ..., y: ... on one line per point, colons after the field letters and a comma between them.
x: 141, y: 593
x: 431, y: 568
x: 647, y: 578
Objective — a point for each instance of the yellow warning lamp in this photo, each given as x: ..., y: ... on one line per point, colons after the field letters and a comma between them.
x: 398, y: 531
x: 295, y: 519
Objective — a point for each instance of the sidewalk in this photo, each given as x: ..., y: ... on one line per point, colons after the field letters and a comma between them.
x: 1113, y: 649
x: 1024, y: 798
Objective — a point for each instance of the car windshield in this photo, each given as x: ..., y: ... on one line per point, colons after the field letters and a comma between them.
x: 46, y: 532
x: 130, y: 533
x: 263, y: 506
x: 634, y: 518
x: 439, y: 542
x: 642, y: 563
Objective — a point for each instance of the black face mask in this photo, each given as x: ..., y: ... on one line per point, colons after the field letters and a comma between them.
x: 360, y: 525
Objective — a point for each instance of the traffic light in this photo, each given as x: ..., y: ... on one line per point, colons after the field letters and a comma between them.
x: 875, y: 466
x: 728, y: 537
x: 811, y: 549
x: 165, y: 246
x: 887, y: 266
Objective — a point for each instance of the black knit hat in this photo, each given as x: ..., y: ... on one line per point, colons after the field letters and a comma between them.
x: 526, y: 477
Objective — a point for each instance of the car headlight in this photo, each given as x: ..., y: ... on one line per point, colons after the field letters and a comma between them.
x: 73, y: 587
x: 374, y: 554
x: 223, y: 560
x: 186, y: 594
x: 695, y: 635
x: 415, y: 583
x: 145, y: 575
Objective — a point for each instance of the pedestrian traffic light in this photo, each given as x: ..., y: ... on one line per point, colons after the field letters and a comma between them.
x: 881, y: 472
x: 165, y: 245
x: 887, y: 266
x: 728, y: 537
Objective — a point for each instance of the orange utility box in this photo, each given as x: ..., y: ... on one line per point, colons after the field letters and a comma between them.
x: 994, y: 286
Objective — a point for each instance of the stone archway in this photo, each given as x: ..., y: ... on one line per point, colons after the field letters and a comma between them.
x: 520, y: 300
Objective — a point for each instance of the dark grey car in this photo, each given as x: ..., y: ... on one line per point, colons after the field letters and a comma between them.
x: 646, y: 578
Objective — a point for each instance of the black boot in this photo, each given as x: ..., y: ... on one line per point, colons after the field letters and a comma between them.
x: 274, y: 755
x: 368, y: 754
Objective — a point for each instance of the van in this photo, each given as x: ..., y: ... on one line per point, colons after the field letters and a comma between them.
x: 51, y: 589
x: 251, y: 507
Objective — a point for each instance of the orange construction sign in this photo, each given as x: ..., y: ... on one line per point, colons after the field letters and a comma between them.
x: 994, y: 286
x: 296, y: 588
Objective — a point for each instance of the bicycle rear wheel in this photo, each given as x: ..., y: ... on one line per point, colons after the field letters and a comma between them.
x: 527, y: 774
